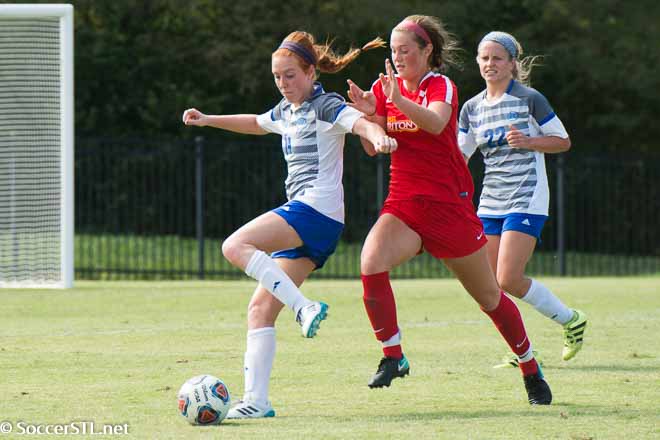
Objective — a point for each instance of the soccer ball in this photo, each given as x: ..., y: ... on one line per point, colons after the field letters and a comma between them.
x: 204, y: 400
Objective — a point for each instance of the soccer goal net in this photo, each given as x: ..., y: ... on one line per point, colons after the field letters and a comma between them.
x: 36, y: 145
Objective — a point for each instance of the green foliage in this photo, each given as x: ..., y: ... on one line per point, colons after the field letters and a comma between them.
x: 139, y: 64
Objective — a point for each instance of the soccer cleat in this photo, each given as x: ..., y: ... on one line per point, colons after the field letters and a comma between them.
x: 388, y: 369
x: 310, y: 317
x: 573, y: 334
x: 538, y: 390
x: 511, y: 361
x: 250, y: 410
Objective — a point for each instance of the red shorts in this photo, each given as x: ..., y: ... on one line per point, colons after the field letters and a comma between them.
x: 447, y: 230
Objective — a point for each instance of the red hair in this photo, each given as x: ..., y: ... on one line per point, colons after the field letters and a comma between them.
x: 325, y: 59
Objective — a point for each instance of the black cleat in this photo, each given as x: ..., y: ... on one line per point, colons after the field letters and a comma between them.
x: 538, y: 390
x: 388, y: 369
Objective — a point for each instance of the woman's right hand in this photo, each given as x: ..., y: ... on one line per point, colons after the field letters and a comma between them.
x: 361, y: 100
x: 385, y: 145
x: 192, y: 116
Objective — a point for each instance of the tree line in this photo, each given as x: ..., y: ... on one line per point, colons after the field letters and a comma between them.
x: 140, y: 63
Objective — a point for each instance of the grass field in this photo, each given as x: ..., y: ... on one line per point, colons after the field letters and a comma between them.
x: 117, y: 352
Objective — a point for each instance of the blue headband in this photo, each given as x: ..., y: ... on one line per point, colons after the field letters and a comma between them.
x: 300, y: 50
x: 504, y: 39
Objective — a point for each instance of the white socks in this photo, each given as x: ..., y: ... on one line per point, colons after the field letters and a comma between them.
x: 547, y: 303
x: 259, y: 357
x: 265, y: 270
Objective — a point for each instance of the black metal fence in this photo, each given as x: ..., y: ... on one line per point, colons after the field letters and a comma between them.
x: 160, y: 209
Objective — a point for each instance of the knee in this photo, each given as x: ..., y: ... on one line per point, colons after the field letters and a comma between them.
x: 370, y: 263
x: 231, y: 250
x: 490, y: 300
x: 509, y: 282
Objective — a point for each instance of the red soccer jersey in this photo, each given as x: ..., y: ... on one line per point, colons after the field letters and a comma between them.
x: 425, y: 164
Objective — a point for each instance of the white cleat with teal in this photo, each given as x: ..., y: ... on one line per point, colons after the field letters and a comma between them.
x: 310, y: 317
x: 250, y: 410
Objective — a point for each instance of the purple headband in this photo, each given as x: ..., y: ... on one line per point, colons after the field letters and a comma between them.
x: 299, y: 50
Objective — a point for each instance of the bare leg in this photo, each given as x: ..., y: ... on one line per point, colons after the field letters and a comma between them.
x: 269, y: 232
x: 474, y: 272
x: 515, y: 250
x: 248, y: 249
x: 493, y: 251
x: 390, y: 243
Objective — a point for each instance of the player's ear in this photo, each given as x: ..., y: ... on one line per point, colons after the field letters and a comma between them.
x: 428, y: 49
x: 311, y: 71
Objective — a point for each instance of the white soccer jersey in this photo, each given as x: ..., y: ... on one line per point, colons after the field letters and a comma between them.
x: 515, y: 180
x: 313, y: 138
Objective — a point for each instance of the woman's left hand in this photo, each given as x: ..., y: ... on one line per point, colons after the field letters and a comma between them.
x: 389, y: 83
x: 516, y: 138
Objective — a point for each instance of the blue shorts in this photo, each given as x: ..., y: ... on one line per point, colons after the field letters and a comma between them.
x: 319, y: 233
x: 530, y: 224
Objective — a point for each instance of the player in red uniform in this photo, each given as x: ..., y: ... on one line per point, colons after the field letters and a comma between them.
x: 429, y: 206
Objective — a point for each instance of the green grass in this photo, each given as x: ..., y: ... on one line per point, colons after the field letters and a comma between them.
x: 111, y: 257
x: 117, y: 352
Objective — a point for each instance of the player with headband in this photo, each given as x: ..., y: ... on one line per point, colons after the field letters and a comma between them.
x: 429, y: 207
x: 301, y: 234
x: 514, y: 126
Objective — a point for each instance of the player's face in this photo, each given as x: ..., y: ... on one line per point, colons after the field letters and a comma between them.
x: 495, y: 63
x: 408, y: 58
x: 293, y: 82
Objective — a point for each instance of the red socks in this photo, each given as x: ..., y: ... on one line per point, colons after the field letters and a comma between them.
x: 508, y: 321
x: 380, y: 305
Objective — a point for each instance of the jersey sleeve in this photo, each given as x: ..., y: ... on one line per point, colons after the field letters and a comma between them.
x: 337, y: 116
x: 271, y: 120
x: 440, y: 89
x: 548, y: 122
x: 346, y: 118
x: 381, y: 100
x: 466, y: 138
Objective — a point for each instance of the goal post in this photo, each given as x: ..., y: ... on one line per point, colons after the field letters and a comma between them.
x: 36, y: 145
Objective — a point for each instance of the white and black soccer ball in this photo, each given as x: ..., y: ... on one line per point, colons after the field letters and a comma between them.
x: 204, y: 400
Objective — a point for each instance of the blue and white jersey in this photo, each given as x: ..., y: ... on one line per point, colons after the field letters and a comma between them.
x: 515, y: 179
x: 313, y: 144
